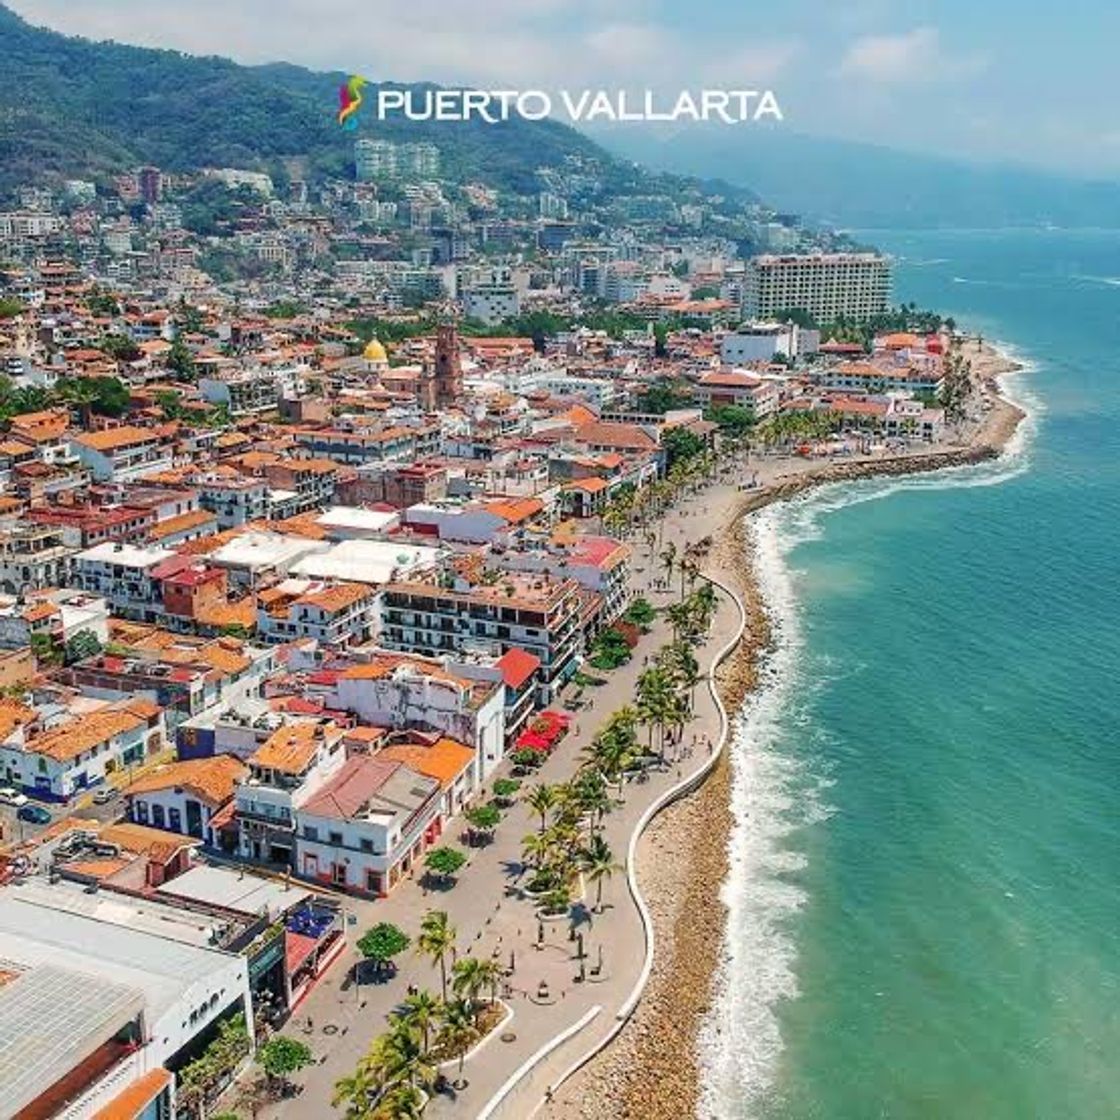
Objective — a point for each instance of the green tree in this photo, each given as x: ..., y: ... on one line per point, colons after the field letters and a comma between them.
x: 436, y: 940
x: 381, y: 943
x: 82, y: 645
x: 10, y: 308
x: 280, y: 1057
x: 421, y: 1011
x: 444, y: 862
x: 541, y: 799
x: 180, y: 360
x: 47, y: 651
x: 598, y: 865
x: 640, y: 613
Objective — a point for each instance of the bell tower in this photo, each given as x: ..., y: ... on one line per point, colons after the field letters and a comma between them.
x: 449, y: 371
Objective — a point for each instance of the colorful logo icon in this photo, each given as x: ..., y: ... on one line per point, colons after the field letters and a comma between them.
x: 350, y: 101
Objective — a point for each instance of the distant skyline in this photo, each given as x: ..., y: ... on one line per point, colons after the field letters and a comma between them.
x: 993, y: 81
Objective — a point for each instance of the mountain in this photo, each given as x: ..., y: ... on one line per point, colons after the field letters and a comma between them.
x: 846, y: 184
x: 72, y: 107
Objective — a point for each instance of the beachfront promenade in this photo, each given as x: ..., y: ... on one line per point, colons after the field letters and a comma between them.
x: 338, y: 1021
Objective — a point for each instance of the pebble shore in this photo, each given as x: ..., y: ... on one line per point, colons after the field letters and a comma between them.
x: 651, y: 1070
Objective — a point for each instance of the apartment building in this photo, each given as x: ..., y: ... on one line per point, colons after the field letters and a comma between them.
x: 292, y: 764
x: 724, y: 388
x: 826, y: 285
x: 334, y: 615
x: 127, y: 576
x: 464, y: 702
x: 120, y: 454
x: 32, y: 556
x: 368, y: 826
x: 491, y: 613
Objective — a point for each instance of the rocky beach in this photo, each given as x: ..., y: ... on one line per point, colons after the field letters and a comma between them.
x: 651, y: 1070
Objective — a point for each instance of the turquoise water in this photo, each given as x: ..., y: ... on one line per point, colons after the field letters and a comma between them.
x: 924, y: 906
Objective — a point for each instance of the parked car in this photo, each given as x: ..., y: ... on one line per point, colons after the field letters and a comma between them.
x: 104, y: 795
x: 10, y: 796
x: 34, y: 814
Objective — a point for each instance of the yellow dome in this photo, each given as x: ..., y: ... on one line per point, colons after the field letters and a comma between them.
x: 375, y: 352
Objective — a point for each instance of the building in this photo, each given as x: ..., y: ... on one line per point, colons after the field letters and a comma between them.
x: 96, y: 1017
x: 293, y: 763
x: 368, y: 826
x: 185, y: 797
x: 334, y: 615
x: 120, y: 454
x: 734, y: 388
x: 33, y: 556
x: 80, y: 752
x: 492, y: 298
x: 375, y: 159
x: 490, y: 614
x: 126, y: 576
x: 762, y: 342
x: 826, y: 285
x: 464, y: 702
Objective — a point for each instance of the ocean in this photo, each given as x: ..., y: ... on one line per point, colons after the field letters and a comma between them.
x: 924, y: 896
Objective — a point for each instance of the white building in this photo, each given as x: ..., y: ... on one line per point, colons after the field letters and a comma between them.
x: 826, y: 285
x: 104, y: 1009
x: 465, y: 703
x: 368, y: 826
x: 125, y: 576
x: 122, y: 454
x: 761, y: 342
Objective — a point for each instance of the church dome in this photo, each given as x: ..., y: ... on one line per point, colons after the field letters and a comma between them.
x: 374, y: 352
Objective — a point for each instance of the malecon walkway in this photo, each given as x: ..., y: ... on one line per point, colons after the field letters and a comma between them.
x: 509, y: 1076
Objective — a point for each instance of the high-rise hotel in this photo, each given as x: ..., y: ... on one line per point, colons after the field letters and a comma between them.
x: 827, y: 285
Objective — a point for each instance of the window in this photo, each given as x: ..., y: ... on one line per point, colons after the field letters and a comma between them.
x: 310, y: 832
x: 157, y: 816
x: 140, y: 811
x: 336, y: 837
x: 366, y: 844
x: 175, y: 820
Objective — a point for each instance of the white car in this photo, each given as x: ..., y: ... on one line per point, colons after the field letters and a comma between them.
x: 104, y: 795
x: 10, y: 796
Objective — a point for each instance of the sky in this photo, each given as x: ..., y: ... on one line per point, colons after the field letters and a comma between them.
x: 1022, y: 81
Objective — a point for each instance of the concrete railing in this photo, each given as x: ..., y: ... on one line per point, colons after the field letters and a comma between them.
x: 674, y: 793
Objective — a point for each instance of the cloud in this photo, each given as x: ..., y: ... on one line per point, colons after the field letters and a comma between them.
x: 910, y: 57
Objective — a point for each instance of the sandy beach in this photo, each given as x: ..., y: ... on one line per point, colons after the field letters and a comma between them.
x: 651, y: 1071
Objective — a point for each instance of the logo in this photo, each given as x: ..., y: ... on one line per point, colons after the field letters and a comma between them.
x: 350, y: 101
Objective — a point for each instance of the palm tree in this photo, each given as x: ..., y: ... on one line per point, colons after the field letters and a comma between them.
x: 536, y: 848
x: 655, y: 694
x: 457, y: 1034
x: 465, y: 980
x: 420, y: 1011
x: 669, y: 559
x: 80, y: 392
x: 598, y: 865
x: 541, y: 799
x: 405, y: 1057
x: 402, y: 1102
x: 436, y: 940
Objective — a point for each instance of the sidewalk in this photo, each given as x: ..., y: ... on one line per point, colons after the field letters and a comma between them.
x: 345, y: 1020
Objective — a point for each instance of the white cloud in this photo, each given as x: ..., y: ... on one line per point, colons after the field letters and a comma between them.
x: 912, y: 56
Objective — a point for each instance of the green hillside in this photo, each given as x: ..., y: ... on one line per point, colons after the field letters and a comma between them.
x: 69, y: 106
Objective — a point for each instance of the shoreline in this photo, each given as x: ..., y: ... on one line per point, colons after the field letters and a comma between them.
x: 652, y: 1070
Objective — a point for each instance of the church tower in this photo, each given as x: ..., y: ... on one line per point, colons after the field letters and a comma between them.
x: 449, y: 372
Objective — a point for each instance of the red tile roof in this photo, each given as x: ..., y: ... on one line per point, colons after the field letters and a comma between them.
x: 517, y: 666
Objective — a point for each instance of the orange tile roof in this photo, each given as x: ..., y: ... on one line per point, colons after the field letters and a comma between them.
x: 79, y: 735
x: 445, y: 760
x: 243, y: 613
x: 211, y: 779
x: 189, y: 520
x: 140, y: 839
x: 112, y: 438
x: 515, y: 510
x: 290, y: 748
x: 13, y: 715
x: 336, y: 598
x: 133, y: 1100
